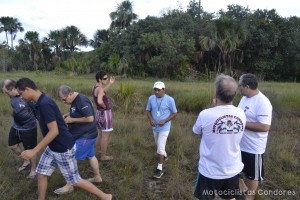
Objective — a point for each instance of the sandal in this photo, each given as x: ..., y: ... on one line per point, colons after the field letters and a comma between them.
x: 106, y: 158
x: 24, y: 166
x: 92, y: 180
x: 64, y: 190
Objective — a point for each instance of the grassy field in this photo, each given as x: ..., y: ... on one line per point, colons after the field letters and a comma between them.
x: 129, y: 175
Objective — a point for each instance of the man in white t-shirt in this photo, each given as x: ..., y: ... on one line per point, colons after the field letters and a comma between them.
x: 258, y: 110
x: 221, y: 128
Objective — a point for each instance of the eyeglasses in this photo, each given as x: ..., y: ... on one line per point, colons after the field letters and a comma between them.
x: 104, y: 78
x: 64, y: 99
x: 157, y: 90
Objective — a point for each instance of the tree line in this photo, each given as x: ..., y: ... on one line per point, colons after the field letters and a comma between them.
x: 180, y: 44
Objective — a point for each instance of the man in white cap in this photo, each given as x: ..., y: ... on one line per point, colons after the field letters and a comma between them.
x: 161, y: 109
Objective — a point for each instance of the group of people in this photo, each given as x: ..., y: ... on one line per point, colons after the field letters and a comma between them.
x: 233, y: 139
x: 66, y: 139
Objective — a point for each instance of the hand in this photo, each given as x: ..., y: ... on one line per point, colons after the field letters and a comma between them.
x: 161, y: 123
x: 27, y: 154
x: 112, y: 80
x: 65, y: 115
x: 152, y: 122
x: 68, y: 120
x: 103, y: 106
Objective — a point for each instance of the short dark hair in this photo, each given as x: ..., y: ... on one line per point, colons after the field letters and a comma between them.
x: 226, y: 88
x: 250, y: 80
x: 25, y: 82
x: 100, y: 75
x: 8, y: 84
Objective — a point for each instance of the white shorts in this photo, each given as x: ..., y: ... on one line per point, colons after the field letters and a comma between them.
x: 160, y: 141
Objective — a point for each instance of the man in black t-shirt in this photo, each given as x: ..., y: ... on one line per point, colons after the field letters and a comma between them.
x: 82, y: 125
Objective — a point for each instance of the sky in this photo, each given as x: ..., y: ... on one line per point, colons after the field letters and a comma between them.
x: 91, y: 15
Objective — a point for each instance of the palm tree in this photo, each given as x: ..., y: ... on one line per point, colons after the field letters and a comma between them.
x: 207, y: 44
x: 4, y: 22
x: 1, y: 28
x: 32, y: 39
x: 10, y: 26
x: 72, y: 37
x: 228, y: 35
x: 55, y: 40
x: 100, y: 37
x: 123, y: 16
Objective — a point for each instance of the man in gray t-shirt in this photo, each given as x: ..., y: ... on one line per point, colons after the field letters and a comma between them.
x: 24, y: 127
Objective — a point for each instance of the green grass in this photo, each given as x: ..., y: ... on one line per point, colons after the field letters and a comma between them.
x: 129, y: 175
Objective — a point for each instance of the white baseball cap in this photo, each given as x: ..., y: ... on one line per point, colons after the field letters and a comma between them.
x: 159, y: 85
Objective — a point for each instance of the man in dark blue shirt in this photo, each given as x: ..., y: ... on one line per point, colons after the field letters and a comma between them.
x: 24, y: 127
x: 58, y: 141
x: 82, y: 125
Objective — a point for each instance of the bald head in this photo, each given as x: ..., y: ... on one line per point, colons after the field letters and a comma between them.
x: 226, y: 88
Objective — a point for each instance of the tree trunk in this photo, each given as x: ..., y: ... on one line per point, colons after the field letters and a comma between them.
x: 11, y: 41
x: 6, y: 38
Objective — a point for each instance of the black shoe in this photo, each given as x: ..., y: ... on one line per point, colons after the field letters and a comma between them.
x: 158, y: 173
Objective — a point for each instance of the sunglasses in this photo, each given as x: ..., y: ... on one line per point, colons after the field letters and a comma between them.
x: 105, y: 78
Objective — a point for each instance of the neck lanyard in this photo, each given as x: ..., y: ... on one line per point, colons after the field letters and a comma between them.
x: 158, y: 106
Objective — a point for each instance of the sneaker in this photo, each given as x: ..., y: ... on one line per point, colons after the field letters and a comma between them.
x: 158, y: 173
x: 25, y: 165
x: 32, y: 175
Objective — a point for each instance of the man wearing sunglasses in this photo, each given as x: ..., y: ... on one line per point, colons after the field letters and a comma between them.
x: 161, y: 109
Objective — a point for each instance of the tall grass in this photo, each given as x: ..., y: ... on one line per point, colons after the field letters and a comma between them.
x: 129, y: 175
